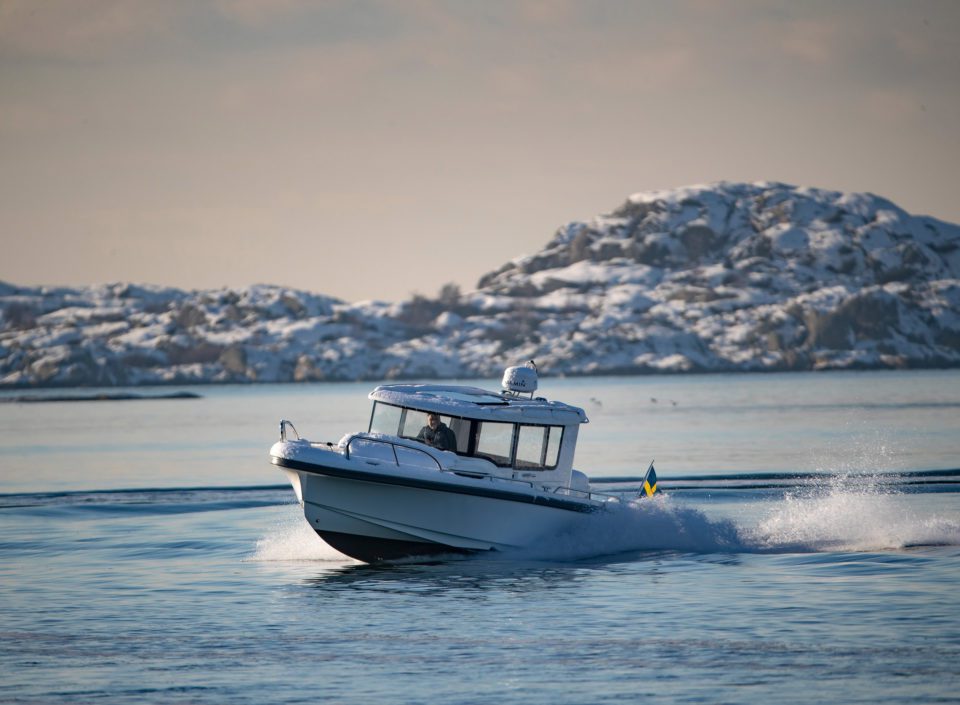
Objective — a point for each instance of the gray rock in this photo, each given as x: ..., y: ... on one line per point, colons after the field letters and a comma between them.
x: 724, y: 277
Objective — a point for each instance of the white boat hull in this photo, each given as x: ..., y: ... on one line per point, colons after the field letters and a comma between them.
x: 445, y: 469
x: 376, y: 515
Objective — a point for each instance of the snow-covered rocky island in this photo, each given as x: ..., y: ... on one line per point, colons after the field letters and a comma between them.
x: 725, y: 277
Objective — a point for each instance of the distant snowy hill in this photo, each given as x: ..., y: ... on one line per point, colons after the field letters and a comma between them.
x: 723, y: 277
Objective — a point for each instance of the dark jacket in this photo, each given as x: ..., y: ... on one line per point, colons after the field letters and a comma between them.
x: 443, y: 438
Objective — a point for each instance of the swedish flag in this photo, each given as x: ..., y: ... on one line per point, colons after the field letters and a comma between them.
x: 650, y: 482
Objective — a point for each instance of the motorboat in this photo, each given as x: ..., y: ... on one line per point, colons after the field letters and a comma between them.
x: 445, y: 469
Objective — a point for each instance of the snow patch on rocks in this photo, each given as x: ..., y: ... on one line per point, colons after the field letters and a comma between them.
x: 719, y: 277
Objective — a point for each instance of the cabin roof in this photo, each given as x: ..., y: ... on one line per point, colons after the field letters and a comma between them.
x: 476, y: 403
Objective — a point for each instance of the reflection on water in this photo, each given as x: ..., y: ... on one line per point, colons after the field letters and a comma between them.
x: 457, y: 579
x: 465, y: 577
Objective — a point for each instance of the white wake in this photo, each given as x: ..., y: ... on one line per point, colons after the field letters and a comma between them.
x: 292, y: 539
x: 854, y: 515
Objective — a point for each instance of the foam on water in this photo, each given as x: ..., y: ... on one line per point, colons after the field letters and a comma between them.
x: 850, y: 514
x: 292, y: 539
x: 856, y: 507
x: 660, y: 524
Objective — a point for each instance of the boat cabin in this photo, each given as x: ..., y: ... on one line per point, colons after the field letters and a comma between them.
x: 506, y: 434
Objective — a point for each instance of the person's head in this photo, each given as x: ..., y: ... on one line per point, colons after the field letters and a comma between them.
x: 433, y: 421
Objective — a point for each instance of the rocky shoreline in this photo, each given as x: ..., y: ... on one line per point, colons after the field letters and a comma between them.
x: 719, y: 278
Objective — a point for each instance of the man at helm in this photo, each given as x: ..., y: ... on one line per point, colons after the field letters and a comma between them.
x: 437, y: 434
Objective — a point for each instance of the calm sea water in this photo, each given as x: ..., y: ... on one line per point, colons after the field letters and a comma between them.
x: 805, y: 551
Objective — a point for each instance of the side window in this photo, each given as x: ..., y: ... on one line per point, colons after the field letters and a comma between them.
x: 530, y: 447
x: 385, y: 419
x: 495, y: 441
x: 538, y: 447
x: 553, y: 446
x: 461, y: 429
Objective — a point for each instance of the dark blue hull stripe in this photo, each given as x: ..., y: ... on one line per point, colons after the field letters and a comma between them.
x: 383, y: 479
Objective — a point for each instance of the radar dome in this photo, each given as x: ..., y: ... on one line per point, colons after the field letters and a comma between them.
x: 520, y: 380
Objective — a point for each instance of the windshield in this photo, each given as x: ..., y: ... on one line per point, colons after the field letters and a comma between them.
x: 385, y: 419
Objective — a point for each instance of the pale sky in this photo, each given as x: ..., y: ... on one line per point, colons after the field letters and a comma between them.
x: 373, y: 149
